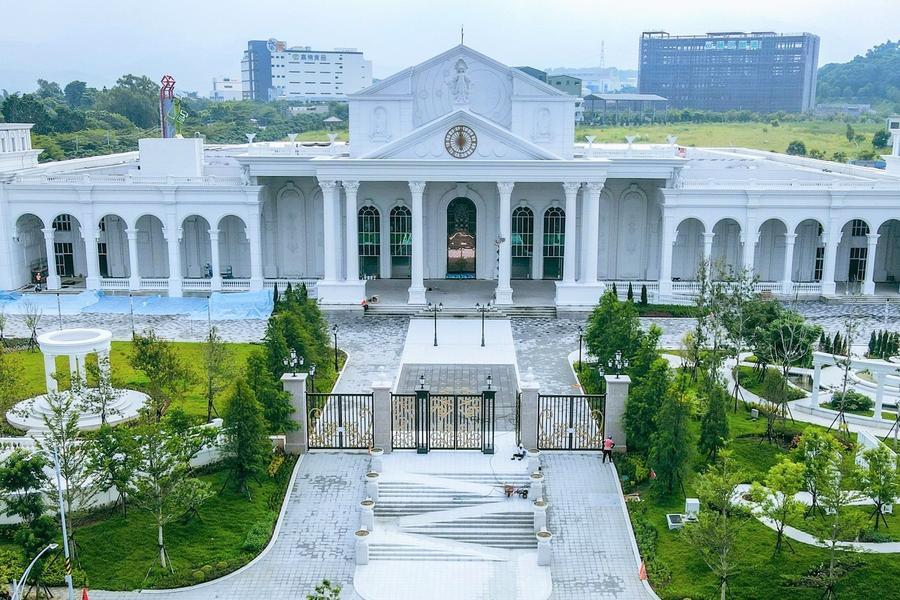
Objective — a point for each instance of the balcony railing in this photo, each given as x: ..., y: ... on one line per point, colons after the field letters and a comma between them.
x: 756, y: 184
x: 196, y: 284
x: 235, y: 285
x: 622, y: 287
x: 154, y: 283
x: 623, y: 151
x: 114, y: 283
x: 298, y: 149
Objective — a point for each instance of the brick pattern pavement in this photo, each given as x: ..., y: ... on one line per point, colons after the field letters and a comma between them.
x: 592, y: 553
x: 315, y: 541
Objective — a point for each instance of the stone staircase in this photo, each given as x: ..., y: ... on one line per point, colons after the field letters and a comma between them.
x: 454, y: 516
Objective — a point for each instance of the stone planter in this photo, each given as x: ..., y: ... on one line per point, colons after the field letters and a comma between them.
x: 377, y: 454
x: 362, y: 546
x: 537, y: 485
x: 534, y: 459
x: 372, y: 485
x: 539, y: 509
x: 544, y: 553
x: 367, y: 508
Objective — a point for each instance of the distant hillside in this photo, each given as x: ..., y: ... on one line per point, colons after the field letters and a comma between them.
x: 873, y: 78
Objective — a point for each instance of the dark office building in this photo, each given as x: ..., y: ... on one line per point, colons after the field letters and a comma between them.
x: 256, y: 70
x: 758, y: 71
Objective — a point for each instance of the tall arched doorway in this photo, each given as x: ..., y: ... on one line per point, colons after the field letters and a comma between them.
x: 461, y: 234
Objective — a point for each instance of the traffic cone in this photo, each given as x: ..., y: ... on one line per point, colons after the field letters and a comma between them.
x: 84, y: 594
x: 642, y: 573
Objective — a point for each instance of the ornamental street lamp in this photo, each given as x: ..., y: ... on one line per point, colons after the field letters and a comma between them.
x: 617, y: 363
x: 482, y: 308
x: 292, y: 361
x: 421, y: 381
x: 20, y: 585
x: 580, y: 339
x: 334, y: 329
x: 312, y: 377
x: 435, y: 309
x: 490, y: 381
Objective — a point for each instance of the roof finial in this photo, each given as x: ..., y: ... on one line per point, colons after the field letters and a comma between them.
x: 462, y: 34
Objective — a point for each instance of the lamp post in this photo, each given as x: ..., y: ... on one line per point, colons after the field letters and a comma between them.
x: 421, y: 381
x: 482, y: 308
x: 334, y: 329
x: 62, y: 518
x: 617, y: 363
x: 17, y: 588
x: 580, y: 340
x: 490, y: 381
x: 292, y: 361
x: 312, y: 377
x: 131, y: 310
x: 435, y: 309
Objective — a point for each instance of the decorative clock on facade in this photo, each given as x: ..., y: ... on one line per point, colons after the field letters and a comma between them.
x: 460, y: 141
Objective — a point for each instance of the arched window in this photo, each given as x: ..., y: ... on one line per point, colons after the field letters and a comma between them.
x: 369, y: 233
x: 522, y: 242
x: 401, y: 241
x: 554, y: 242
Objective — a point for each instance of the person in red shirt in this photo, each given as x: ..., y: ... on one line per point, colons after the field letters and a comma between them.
x: 608, y: 445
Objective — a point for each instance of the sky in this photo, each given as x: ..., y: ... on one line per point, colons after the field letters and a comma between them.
x: 195, y: 40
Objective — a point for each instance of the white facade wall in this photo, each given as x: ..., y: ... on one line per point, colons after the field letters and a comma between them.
x: 306, y: 74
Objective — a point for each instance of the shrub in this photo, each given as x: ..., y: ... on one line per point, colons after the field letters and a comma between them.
x: 852, y: 400
x: 797, y: 148
x: 259, y: 534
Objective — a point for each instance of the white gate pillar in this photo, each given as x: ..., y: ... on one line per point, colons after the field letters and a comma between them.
x: 614, y: 415
x: 381, y: 405
x: 297, y: 441
x: 528, y: 411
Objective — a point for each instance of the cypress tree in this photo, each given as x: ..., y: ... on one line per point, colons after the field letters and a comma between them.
x: 671, y: 446
x: 644, y: 294
x: 836, y: 343
x: 873, y: 344
x: 275, y: 297
x: 823, y: 343
x: 615, y: 291
x: 630, y: 293
x: 289, y: 293
x: 246, y: 444
x: 714, y: 424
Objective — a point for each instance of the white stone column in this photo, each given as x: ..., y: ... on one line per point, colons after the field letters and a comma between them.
x: 254, y: 237
x: 814, y: 394
x: 707, y: 245
x: 215, y: 283
x: 49, y: 371
x: 91, y: 256
x: 528, y: 416
x: 504, y: 293
x: 297, y: 441
x: 571, y: 191
x: 590, y: 231
x: 831, y: 241
x: 381, y: 419
x: 417, y: 281
x: 52, y: 282
x: 669, y: 235
x: 787, y: 283
x: 880, y: 379
x: 869, y: 283
x: 352, y: 251
x: 330, y: 213
x: 134, y: 275
x: 749, y: 250
x: 173, y: 234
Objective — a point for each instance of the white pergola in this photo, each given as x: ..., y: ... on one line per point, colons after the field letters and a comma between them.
x: 76, y: 344
x: 880, y: 370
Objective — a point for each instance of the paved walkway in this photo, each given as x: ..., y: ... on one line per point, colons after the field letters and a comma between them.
x: 593, y: 555
x: 315, y: 541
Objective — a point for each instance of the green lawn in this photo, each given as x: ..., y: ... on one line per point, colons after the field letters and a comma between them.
x: 752, y: 380
x: 827, y: 136
x: 193, y: 401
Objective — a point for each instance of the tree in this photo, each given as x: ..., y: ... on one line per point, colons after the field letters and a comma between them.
x: 101, y: 398
x: 137, y: 98
x: 217, y: 369
x: 62, y: 438
x: 849, y: 133
x: 881, y: 138
x: 670, y: 449
x: 630, y: 295
x: 714, y: 424
x: 878, y: 480
x: 325, y: 591
x: 734, y: 304
x: 796, y: 148
x: 10, y: 376
x: 165, y: 370
x: 32, y: 317
x: 76, y: 94
x: 276, y: 403
x: 716, y: 534
x: 839, y: 522
x: 27, y: 108
x: 816, y: 451
x: 246, y: 446
x: 111, y: 461
x: 162, y: 483
x: 644, y: 294
x: 642, y: 405
x: 777, y: 502
x: 49, y: 90
x: 613, y: 326
x: 22, y: 483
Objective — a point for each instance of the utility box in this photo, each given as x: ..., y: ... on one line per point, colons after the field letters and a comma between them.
x: 171, y: 157
x: 691, y: 508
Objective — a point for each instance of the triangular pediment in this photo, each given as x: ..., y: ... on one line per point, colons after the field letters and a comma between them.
x: 492, y: 142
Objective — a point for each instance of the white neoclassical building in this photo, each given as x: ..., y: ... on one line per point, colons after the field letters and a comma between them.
x: 458, y: 168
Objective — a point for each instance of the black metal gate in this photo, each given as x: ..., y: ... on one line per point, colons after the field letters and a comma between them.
x: 571, y: 422
x: 424, y: 421
x: 340, y: 421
